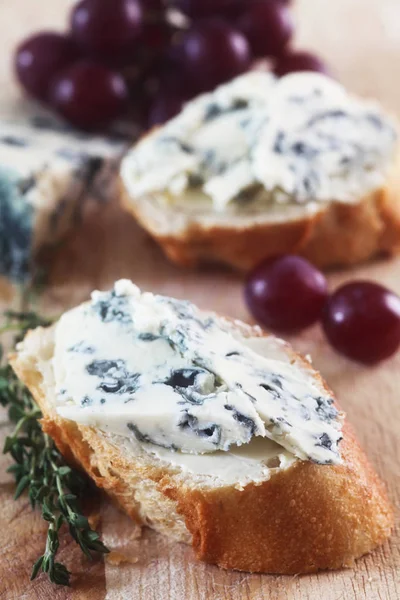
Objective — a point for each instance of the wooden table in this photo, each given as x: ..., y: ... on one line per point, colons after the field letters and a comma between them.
x: 361, y: 39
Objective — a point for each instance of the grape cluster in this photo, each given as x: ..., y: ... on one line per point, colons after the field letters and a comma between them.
x: 145, y: 58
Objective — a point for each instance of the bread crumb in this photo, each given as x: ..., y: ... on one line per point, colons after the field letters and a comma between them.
x: 117, y: 558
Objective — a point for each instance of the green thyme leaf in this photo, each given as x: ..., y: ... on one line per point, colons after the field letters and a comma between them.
x: 38, y: 467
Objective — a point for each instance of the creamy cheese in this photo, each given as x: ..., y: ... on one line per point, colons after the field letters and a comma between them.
x: 240, y: 465
x: 301, y: 138
x: 168, y: 375
x: 46, y: 172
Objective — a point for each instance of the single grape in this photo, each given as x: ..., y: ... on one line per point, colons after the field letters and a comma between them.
x: 165, y: 106
x: 156, y: 36
x: 170, y: 82
x: 107, y: 29
x: 40, y: 57
x: 213, y: 52
x: 138, y: 108
x: 286, y: 293
x: 153, y: 6
x: 156, y: 94
x: 206, y: 8
x: 362, y: 321
x: 293, y: 61
x: 267, y: 25
x: 89, y: 95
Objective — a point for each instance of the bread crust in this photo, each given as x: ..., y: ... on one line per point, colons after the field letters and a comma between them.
x: 303, y: 519
x: 337, y: 234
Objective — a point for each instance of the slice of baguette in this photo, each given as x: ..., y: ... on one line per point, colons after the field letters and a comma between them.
x: 332, y: 234
x: 348, y: 217
x: 301, y: 518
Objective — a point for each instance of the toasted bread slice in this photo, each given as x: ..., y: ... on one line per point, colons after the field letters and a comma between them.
x: 296, y: 517
x: 295, y: 195
x: 333, y: 235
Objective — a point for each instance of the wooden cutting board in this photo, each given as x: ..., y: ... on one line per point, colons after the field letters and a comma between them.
x: 361, y: 39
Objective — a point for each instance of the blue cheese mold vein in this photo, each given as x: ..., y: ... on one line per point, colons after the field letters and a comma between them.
x: 161, y: 372
x: 16, y: 226
x: 46, y: 174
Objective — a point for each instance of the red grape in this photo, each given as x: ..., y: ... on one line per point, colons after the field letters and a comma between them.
x: 213, y: 52
x: 267, y: 25
x: 153, y: 6
x: 166, y: 105
x: 362, y: 321
x: 206, y: 8
x: 107, y: 29
x: 138, y: 109
x: 88, y: 95
x: 286, y: 293
x: 171, y: 82
x: 299, y: 61
x: 156, y: 36
x: 40, y: 57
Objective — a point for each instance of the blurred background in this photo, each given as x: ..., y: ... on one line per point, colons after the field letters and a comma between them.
x: 358, y: 39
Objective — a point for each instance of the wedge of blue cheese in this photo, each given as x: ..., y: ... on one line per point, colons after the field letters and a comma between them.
x: 47, y: 172
x: 266, y: 141
x: 161, y: 372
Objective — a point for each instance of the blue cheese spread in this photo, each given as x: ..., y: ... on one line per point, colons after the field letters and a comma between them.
x: 259, y: 139
x: 46, y: 173
x: 161, y: 372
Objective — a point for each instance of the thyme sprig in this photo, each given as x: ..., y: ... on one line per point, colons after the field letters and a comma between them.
x: 39, y: 468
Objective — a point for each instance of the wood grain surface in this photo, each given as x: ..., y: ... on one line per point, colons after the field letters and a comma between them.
x: 361, y: 39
